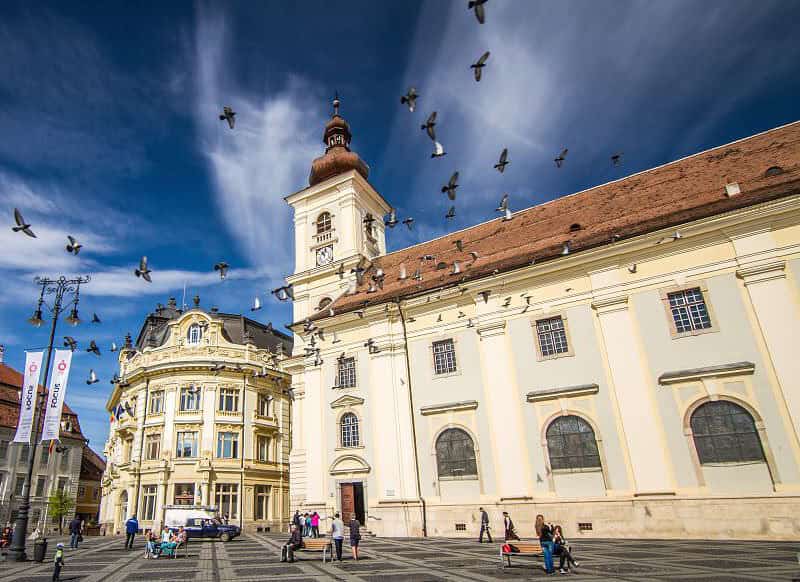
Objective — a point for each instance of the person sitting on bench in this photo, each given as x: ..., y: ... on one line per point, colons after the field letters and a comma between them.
x: 295, y: 543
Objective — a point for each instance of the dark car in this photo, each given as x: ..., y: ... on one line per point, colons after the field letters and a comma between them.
x: 197, y: 528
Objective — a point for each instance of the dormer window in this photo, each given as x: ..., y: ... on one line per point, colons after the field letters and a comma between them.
x: 324, y: 223
x: 194, y: 335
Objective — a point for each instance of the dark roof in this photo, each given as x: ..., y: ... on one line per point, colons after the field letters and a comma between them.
x: 92, y: 465
x: 667, y: 196
x: 235, y: 327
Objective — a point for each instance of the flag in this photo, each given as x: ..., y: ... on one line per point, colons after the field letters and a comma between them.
x: 28, y: 396
x: 55, y: 397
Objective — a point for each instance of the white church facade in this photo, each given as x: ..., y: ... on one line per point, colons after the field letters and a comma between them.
x: 622, y: 360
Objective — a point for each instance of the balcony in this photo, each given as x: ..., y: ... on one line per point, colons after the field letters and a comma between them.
x: 324, y: 237
x: 267, y: 421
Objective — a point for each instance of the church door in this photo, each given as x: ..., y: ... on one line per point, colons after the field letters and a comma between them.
x: 348, y: 501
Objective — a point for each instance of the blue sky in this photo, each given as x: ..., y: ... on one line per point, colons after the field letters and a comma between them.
x: 108, y: 129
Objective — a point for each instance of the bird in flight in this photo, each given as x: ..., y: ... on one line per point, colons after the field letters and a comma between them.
x: 559, y: 159
x: 438, y: 150
x: 500, y: 166
x: 114, y: 347
x: 143, y: 271
x: 478, y: 65
x: 228, y: 115
x: 450, y: 187
x: 477, y: 6
x: 340, y: 271
x: 69, y: 342
x: 222, y: 267
x: 391, y: 222
x: 616, y: 159
x: 672, y: 237
x: 73, y: 246
x: 92, y: 379
x: 504, y: 208
x: 429, y: 126
x: 410, y: 98
x: 93, y: 348
x: 451, y: 214
x: 22, y: 225
x: 95, y: 319
x: 284, y: 293
x: 408, y: 222
x: 459, y: 245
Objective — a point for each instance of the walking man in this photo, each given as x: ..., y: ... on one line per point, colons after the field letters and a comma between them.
x: 337, y: 533
x: 295, y: 543
x: 74, y: 532
x: 131, y: 529
x: 484, y: 526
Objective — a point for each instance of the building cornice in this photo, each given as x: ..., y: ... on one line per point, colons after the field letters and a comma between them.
x: 733, y: 369
x: 449, y: 407
x: 563, y: 392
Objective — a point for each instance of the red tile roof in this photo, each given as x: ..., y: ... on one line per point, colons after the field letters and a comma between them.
x: 676, y: 193
x: 10, y: 382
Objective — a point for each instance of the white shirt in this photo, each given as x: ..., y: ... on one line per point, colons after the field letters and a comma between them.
x: 337, y: 529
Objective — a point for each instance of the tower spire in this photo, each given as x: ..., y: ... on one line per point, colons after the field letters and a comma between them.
x: 336, y: 103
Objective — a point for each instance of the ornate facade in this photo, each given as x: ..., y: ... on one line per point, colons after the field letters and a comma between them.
x: 622, y: 360
x: 200, y: 416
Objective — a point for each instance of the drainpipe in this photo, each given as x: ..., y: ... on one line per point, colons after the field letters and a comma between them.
x: 141, y: 449
x: 413, y: 422
x: 244, y: 434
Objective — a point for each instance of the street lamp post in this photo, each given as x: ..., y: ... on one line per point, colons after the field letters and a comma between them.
x: 57, y: 288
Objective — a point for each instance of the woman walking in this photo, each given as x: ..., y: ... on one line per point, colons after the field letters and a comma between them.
x: 355, y: 535
x: 508, y: 525
x: 545, y: 533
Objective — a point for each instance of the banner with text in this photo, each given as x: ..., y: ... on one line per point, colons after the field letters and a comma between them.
x: 27, y: 401
x: 55, y: 397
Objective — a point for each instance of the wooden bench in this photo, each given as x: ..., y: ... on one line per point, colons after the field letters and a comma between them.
x: 525, y: 549
x: 318, y: 545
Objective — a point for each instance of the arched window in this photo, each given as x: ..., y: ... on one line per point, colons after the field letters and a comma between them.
x: 323, y: 303
x: 455, y: 455
x: 323, y: 222
x: 773, y: 171
x: 725, y: 432
x: 194, y: 335
x: 571, y: 444
x: 349, y: 428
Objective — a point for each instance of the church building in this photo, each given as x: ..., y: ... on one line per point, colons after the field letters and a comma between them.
x: 623, y: 360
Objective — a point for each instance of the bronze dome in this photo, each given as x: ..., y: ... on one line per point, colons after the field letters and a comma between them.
x: 337, y: 158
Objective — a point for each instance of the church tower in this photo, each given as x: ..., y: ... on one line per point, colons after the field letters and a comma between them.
x: 338, y: 221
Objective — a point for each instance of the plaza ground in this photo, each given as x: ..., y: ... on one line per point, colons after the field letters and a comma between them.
x: 256, y: 557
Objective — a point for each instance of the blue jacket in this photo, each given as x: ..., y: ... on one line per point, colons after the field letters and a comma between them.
x: 132, y: 526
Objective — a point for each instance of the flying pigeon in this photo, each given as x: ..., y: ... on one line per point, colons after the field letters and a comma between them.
x: 503, y: 204
x: 228, y: 115
x: 559, y: 160
x: 450, y: 187
x: 340, y: 271
x: 500, y: 166
x: 565, y: 249
x: 115, y: 380
x: 391, y: 222
x: 143, y: 271
x: 22, y: 225
x: 410, y: 98
x: 114, y: 347
x: 451, y: 214
x: 403, y: 274
x: 438, y: 150
x: 429, y: 124
x: 359, y: 273
x: 93, y: 348
x: 73, y: 246
x: 408, y: 222
x: 456, y: 268
x: 616, y: 159
x: 672, y: 237
x: 92, y: 379
x: 222, y: 267
x: 477, y: 6
x: 474, y: 256
x: 216, y: 368
x: 95, y: 319
x: 256, y: 304
x: 69, y: 342
x: 479, y: 64
x: 284, y: 293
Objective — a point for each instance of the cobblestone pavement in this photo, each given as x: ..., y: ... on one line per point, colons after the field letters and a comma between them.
x: 256, y: 557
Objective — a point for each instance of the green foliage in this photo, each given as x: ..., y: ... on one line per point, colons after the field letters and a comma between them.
x: 61, y: 506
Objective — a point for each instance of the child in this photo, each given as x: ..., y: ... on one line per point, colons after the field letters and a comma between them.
x: 58, y: 562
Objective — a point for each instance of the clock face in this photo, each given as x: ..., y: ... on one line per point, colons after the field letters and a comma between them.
x: 324, y: 255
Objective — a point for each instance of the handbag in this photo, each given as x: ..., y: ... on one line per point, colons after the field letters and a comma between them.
x: 80, y: 537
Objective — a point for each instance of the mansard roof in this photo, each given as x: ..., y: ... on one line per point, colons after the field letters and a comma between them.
x: 765, y: 166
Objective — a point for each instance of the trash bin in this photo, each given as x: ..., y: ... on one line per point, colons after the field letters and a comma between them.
x: 39, y: 549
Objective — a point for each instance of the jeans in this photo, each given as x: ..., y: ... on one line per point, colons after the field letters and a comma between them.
x: 485, y: 528
x: 547, y: 549
x: 129, y: 541
x: 73, y: 540
x: 56, y: 572
x: 338, y: 543
x: 315, y: 531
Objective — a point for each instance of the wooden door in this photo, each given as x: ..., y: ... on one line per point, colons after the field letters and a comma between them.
x: 348, y: 501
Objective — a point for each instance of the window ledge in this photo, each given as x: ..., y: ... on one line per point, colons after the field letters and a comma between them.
x: 436, y: 376
x: 694, y: 332
x: 733, y: 369
x: 344, y: 449
x: 464, y: 478
x: 577, y: 470
x: 564, y: 392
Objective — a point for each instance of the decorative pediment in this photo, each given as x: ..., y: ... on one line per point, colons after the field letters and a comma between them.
x: 562, y: 392
x: 346, y: 400
x: 449, y: 407
x: 733, y: 369
x: 349, y: 464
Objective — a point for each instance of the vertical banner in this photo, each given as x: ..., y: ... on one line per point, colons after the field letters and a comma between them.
x: 55, y: 397
x: 28, y: 397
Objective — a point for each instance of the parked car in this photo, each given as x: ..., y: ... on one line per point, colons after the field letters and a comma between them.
x: 199, y: 522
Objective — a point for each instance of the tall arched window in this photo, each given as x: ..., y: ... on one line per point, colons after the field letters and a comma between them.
x: 724, y: 432
x: 455, y: 455
x: 571, y: 444
x: 194, y: 335
x: 349, y: 430
x: 323, y: 222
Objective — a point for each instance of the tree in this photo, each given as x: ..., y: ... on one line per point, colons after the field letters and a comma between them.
x: 61, y: 505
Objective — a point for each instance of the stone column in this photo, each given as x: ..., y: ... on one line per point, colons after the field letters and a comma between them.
x: 504, y: 410
x: 644, y: 434
x: 776, y: 307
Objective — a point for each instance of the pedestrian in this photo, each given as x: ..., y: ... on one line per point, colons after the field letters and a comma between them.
x: 306, y: 525
x: 508, y: 525
x: 337, y: 533
x: 484, y: 526
x: 58, y: 562
x: 315, y: 524
x: 131, y: 529
x: 5, y: 537
x: 296, y: 518
x: 545, y: 533
x: 295, y: 543
x: 562, y: 550
x: 355, y: 535
x: 74, y: 532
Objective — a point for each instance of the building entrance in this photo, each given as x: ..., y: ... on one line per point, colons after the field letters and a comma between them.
x: 352, y: 501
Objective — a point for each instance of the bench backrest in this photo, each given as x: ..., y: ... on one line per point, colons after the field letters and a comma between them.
x: 316, y: 543
x: 527, y: 547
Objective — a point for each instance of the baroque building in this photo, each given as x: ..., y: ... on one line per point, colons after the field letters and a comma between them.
x: 200, y: 416
x: 622, y: 360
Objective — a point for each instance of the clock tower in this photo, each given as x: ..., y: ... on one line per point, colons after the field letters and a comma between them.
x: 338, y: 221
